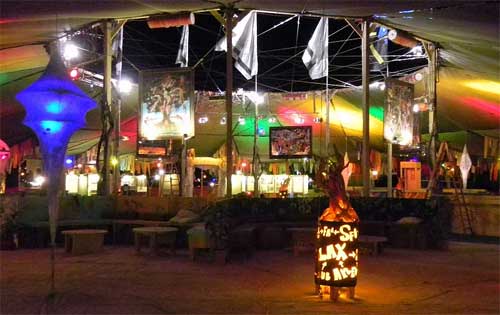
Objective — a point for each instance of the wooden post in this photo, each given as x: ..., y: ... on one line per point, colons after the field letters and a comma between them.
x: 229, y: 99
x: 389, y: 169
x: 433, y: 126
x: 365, y: 162
x: 105, y: 106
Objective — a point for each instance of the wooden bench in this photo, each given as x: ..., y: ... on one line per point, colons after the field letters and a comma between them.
x: 80, y: 242
x: 372, y: 244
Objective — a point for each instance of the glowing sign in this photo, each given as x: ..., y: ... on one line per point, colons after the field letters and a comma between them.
x: 336, y: 254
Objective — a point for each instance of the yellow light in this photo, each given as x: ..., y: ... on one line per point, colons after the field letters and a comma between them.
x: 114, y: 161
x: 487, y: 86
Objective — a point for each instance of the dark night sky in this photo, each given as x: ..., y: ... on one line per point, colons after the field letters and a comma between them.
x: 147, y: 48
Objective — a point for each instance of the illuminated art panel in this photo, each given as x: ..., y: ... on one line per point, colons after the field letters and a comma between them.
x: 398, y: 119
x: 166, y: 104
x: 290, y: 142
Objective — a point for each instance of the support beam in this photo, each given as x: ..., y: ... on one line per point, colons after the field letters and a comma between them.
x: 389, y: 169
x: 354, y: 27
x: 105, y: 106
x: 365, y: 162
x: 229, y: 100
x: 117, y: 31
x: 432, y: 88
x: 255, y: 161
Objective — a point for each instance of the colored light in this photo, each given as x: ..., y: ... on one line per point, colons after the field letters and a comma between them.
x: 54, y: 107
x: 69, y: 161
x: 487, y: 86
x: 73, y: 73
x: 51, y: 126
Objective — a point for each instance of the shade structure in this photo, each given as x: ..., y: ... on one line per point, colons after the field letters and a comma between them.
x: 55, y: 108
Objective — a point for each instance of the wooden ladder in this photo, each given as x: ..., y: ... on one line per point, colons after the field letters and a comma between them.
x: 444, y: 156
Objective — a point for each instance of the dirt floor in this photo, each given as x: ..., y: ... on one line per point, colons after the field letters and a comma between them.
x: 463, y: 280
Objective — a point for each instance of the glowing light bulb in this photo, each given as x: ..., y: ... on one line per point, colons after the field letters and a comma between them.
x: 125, y: 86
x: 70, y: 51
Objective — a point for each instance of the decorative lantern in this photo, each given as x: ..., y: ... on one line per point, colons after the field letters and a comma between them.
x: 337, y: 236
x: 55, y: 109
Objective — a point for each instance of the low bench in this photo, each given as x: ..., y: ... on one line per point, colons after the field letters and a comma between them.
x: 79, y: 242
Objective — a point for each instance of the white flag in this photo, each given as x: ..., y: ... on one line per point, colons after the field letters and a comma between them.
x: 465, y: 165
x: 315, y: 56
x: 244, y: 45
x: 183, y: 53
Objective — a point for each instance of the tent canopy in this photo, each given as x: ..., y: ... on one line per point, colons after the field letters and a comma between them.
x: 466, y: 32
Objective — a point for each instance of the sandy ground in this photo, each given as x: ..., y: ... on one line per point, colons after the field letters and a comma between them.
x: 463, y: 280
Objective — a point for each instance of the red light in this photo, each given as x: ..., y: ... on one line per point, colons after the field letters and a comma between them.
x: 73, y: 74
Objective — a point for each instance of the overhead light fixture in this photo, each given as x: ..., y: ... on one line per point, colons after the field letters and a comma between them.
x: 74, y: 73
x: 298, y: 119
x: 171, y: 20
x: 124, y: 86
x: 70, y: 51
x: 317, y: 120
x: 402, y: 38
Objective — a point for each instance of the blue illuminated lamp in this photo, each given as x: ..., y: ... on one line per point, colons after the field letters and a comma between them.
x: 55, y: 109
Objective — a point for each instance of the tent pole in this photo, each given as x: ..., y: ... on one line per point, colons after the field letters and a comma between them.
x: 255, y: 148
x: 105, y: 106
x: 118, y: 108
x: 229, y: 99
x: 365, y: 163
x: 389, y: 169
x: 432, y: 56
x: 327, y: 120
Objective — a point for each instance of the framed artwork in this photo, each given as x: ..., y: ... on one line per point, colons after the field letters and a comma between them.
x: 290, y: 142
x: 166, y: 104
x: 152, y: 148
x: 398, y: 113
